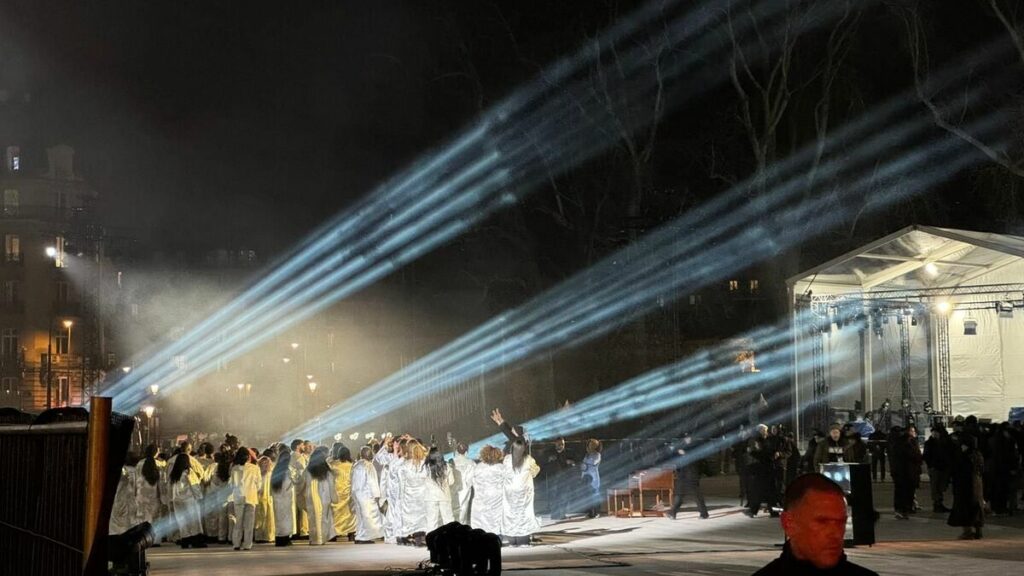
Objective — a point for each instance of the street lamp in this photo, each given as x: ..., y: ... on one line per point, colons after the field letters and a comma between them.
x: 312, y: 387
x: 309, y: 376
x: 126, y: 369
x: 68, y: 324
x: 286, y: 359
x: 148, y: 410
x: 295, y: 345
x: 51, y: 252
x: 154, y: 388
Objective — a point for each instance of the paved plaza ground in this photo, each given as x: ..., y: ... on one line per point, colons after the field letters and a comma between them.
x: 727, y: 543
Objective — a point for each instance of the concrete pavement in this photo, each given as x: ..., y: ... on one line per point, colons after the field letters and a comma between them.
x: 727, y: 543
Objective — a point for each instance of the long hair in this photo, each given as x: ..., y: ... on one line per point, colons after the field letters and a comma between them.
x: 182, y: 463
x: 366, y: 453
x: 281, y: 469
x: 518, y: 453
x: 415, y: 452
x: 341, y: 453
x: 150, y: 472
x: 242, y: 456
x: 224, y: 458
x: 318, y: 467
x: 437, y: 466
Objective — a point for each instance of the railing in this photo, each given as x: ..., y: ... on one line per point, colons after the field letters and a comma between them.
x: 59, y: 478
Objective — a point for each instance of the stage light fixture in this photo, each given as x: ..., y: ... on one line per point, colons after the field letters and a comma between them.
x: 943, y: 307
x: 127, y: 551
x: 931, y: 269
x: 970, y: 327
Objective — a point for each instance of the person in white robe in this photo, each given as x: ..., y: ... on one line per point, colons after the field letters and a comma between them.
x: 519, y: 521
x: 390, y: 458
x: 212, y: 502
x: 341, y: 468
x: 245, y: 487
x: 412, y: 487
x: 219, y: 504
x: 282, y: 488
x: 462, y: 483
x: 186, y: 490
x: 125, y: 513
x: 438, y: 493
x: 366, y: 498
x: 299, y: 461
x: 149, y: 487
x: 488, y: 483
x: 318, y: 484
x: 264, y: 529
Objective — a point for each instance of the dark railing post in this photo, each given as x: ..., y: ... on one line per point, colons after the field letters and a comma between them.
x: 94, y: 541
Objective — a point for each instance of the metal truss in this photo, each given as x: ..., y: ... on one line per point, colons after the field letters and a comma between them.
x: 945, y: 383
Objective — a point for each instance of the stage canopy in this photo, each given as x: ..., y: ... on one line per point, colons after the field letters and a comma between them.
x: 924, y: 315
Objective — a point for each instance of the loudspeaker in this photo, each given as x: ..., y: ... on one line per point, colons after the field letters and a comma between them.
x: 462, y: 551
x: 862, y: 504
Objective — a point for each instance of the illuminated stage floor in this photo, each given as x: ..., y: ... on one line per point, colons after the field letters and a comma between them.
x: 728, y: 543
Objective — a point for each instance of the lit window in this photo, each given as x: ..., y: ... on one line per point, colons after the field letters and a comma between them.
x: 62, y: 342
x: 734, y: 285
x: 13, y: 158
x: 63, y: 391
x: 755, y: 286
x: 58, y: 256
x: 12, y: 248
x: 695, y: 299
x: 9, y: 384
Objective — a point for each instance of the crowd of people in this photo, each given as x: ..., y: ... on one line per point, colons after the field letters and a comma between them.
x: 395, y: 490
x: 398, y: 489
x: 980, y: 464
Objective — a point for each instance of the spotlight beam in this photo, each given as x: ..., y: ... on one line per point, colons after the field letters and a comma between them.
x: 754, y: 244
x: 499, y: 328
x: 683, y: 28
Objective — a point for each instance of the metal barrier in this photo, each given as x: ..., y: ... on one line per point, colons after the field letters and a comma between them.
x: 58, y: 477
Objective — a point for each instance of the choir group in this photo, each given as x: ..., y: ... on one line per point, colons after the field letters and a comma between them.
x: 396, y: 490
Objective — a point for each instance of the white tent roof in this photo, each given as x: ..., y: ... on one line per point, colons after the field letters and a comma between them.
x: 901, y: 261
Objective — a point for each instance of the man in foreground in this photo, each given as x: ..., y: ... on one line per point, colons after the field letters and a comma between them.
x: 814, y: 520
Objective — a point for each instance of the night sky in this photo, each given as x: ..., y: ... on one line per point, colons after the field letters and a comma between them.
x: 243, y: 124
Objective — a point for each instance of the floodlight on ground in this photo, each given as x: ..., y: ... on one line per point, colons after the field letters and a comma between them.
x: 127, y: 551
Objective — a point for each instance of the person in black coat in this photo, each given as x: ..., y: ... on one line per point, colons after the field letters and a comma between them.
x: 558, y: 465
x: 761, y: 473
x: 938, y: 456
x: 968, y: 495
x: 740, y: 459
x: 877, y: 444
x: 905, y: 462
x: 687, y: 479
x: 814, y: 521
x: 1005, y: 467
